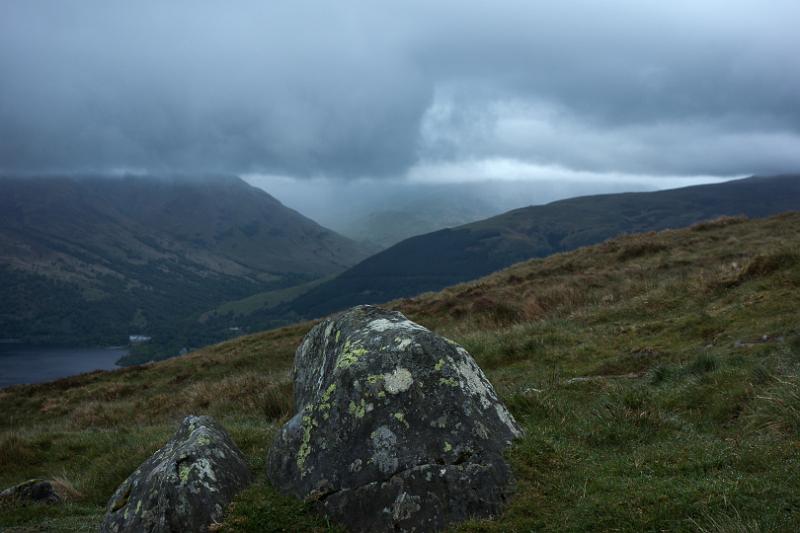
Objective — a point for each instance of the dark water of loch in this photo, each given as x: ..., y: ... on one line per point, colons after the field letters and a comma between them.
x: 36, y: 364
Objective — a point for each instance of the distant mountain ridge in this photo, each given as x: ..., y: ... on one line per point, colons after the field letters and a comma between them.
x: 435, y: 260
x: 91, y: 259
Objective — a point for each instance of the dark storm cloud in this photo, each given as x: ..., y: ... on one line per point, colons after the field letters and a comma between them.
x: 383, y: 89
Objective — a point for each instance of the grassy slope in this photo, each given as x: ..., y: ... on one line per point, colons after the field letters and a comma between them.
x: 686, y: 415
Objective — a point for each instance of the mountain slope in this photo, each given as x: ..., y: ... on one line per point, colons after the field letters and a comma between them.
x: 93, y: 259
x: 655, y: 376
x: 435, y: 260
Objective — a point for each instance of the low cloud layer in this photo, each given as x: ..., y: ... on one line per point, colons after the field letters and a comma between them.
x: 413, y: 89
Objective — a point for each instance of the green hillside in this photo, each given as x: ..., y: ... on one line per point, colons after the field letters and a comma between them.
x: 436, y: 260
x: 262, y: 301
x: 657, y: 377
x: 92, y: 260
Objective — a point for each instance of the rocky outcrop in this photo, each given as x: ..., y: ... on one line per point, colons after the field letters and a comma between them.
x: 31, y: 491
x: 396, y: 428
x: 184, y: 486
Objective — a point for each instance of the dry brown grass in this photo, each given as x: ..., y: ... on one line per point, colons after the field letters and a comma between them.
x: 640, y: 245
x: 65, y: 489
x: 711, y: 255
x: 764, y: 264
x: 99, y: 414
x: 728, y: 275
x: 250, y: 390
x: 277, y: 402
x: 181, y: 393
x: 719, y: 222
x: 15, y: 450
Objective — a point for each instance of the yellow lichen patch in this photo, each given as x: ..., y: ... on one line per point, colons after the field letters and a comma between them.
x: 439, y: 365
x: 447, y: 447
x: 448, y: 381
x: 326, y: 396
x: 183, y: 472
x: 325, y: 405
x: 358, y: 410
x: 305, y: 445
x: 400, y: 417
x: 350, y: 355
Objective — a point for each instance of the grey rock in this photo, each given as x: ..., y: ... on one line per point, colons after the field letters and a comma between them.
x: 185, y: 486
x: 33, y: 490
x: 396, y: 428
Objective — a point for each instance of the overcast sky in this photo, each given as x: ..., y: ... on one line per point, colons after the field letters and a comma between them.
x: 420, y: 90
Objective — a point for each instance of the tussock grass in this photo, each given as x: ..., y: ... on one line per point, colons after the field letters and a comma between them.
x: 656, y: 377
x: 639, y: 246
x: 778, y: 407
x: 728, y: 522
x: 65, y: 489
x: 719, y: 222
x: 277, y: 402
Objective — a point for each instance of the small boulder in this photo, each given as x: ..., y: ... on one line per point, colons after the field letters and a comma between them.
x: 184, y: 486
x: 396, y: 428
x: 31, y: 491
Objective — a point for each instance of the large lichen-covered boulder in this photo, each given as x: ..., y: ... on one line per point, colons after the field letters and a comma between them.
x: 184, y: 486
x: 396, y: 428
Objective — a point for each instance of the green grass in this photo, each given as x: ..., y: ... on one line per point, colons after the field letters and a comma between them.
x: 265, y: 300
x: 685, y: 414
x: 261, y: 509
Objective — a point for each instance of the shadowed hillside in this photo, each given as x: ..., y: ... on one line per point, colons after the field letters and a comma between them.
x: 656, y: 377
x: 90, y: 260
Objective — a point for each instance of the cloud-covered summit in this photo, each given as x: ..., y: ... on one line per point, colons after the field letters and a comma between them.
x: 366, y: 89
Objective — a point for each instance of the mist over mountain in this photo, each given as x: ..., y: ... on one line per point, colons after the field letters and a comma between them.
x: 385, y: 212
x: 436, y: 260
x: 92, y: 260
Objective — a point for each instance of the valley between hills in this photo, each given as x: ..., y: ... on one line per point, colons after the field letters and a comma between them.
x: 655, y: 376
x: 189, y: 261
